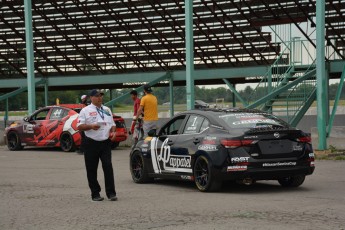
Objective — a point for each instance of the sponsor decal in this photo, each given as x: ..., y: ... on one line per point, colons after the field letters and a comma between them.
x: 312, y: 164
x: 209, y: 142
x: 144, y: 150
x: 29, y: 128
x: 297, y: 148
x: 191, y: 128
x: 252, y: 121
x: 185, y: 177
x: 276, y: 135
x: 180, y: 162
x: 311, y: 155
x: 250, y: 137
x: 208, y: 147
x: 236, y: 168
x: 279, y: 164
x: 239, y: 159
x: 93, y: 114
x: 254, y: 154
x: 169, y: 162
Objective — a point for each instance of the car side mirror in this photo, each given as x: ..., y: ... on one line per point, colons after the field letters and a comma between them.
x: 152, y: 133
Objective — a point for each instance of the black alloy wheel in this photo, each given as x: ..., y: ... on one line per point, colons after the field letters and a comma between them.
x: 13, y: 142
x: 204, y: 178
x: 67, y: 143
x: 138, y: 168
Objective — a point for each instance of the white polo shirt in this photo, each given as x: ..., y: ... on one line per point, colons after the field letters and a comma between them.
x: 101, y: 116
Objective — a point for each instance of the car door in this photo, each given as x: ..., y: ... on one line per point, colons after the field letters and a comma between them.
x: 193, y: 134
x: 166, y: 158
x: 54, y: 125
x: 33, y: 129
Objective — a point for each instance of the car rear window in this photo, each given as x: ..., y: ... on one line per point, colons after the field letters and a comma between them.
x: 252, y: 120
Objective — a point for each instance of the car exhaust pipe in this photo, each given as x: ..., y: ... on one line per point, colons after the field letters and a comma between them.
x: 248, y: 181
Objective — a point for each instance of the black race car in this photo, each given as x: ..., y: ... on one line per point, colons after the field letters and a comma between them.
x: 210, y: 146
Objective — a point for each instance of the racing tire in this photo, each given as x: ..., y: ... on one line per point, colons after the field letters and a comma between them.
x: 67, y: 143
x: 114, y: 145
x: 13, y: 142
x: 292, y: 181
x: 138, y: 168
x: 204, y: 177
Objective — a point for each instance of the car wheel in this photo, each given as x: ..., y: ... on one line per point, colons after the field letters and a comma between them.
x: 67, y: 143
x: 204, y: 177
x: 13, y: 142
x: 293, y: 181
x: 138, y: 168
x: 114, y: 145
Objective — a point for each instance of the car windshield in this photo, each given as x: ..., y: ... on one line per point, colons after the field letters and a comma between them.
x: 250, y: 121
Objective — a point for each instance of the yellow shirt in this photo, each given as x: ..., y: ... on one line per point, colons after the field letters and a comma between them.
x: 149, y: 102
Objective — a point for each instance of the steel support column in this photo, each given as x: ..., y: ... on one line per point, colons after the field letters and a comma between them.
x: 6, y: 113
x: 321, y: 75
x: 234, y: 91
x: 234, y: 97
x: 46, y: 94
x: 171, y: 93
x: 29, y: 56
x: 336, y: 102
x: 189, y: 53
x: 111, y: 98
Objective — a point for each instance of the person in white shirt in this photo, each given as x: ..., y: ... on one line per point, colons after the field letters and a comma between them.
x: 96, y: 120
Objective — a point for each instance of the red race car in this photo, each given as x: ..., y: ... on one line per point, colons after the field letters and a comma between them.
x: 54, y: 126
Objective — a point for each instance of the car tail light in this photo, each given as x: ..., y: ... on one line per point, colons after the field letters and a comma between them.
x: 234, y: 143
x: 305, y: 139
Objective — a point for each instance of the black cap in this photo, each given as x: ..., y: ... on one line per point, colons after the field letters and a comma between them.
x: 96, y: 92
x: 134, y: 92
x: 147, y: 88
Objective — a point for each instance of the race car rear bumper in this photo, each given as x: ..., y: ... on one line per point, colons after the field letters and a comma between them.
x: 266, y: 173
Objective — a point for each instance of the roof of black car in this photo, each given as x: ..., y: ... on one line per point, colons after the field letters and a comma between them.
x: 207, y: 111
x: 213, y: 113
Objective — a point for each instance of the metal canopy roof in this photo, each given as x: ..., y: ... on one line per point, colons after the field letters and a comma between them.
x: 78, y: 37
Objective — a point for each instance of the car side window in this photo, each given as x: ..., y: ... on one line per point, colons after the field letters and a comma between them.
x: 193, y: 124
x: 204, y: 125
x: 58, y: 113
x: 40, y: 115
x: 173, y: 127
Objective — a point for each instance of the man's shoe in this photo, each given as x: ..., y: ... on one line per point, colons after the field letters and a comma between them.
x: 97, y: 198
x: 112, y: 198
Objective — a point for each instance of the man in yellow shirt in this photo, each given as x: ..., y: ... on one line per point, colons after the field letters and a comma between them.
x: 149, y: 107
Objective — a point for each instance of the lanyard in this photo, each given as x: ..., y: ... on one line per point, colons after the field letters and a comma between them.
x: 100, y: 112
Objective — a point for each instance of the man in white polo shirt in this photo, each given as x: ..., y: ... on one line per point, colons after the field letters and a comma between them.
x: 96, y: 120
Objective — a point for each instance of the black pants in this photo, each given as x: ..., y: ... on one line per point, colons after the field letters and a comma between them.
x: 93, y: 151
x: 83, y: 139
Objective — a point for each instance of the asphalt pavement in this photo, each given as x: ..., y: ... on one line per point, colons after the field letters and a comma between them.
x: 47, y: 189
